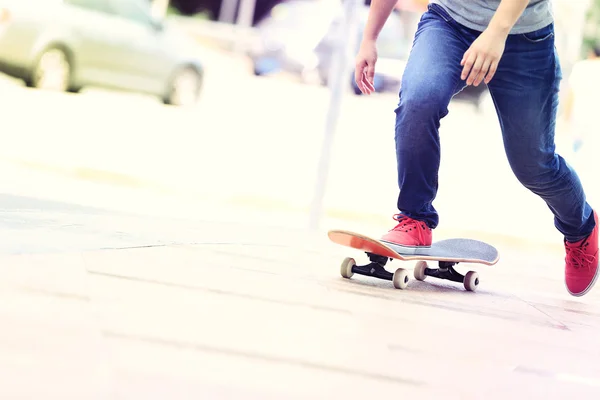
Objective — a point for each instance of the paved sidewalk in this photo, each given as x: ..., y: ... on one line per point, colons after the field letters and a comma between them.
x: 244, y: 312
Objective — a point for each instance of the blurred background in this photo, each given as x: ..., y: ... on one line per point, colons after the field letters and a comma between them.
x: 246, y: 110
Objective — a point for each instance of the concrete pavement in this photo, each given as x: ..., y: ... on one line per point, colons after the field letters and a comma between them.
x: 154, y: 307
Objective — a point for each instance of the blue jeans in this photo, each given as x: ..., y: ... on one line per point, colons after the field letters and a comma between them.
x: 525, y: 93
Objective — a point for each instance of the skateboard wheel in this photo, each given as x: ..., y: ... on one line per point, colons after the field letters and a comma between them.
x: 346, y: 267
x: 471, y: 281
x: 400, y: 279
x: 419, y: 271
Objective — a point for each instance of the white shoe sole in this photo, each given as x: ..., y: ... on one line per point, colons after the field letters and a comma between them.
x: 408, y: 250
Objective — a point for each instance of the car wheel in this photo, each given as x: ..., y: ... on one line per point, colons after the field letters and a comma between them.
x: 184, y: 89
x: 52, y: 71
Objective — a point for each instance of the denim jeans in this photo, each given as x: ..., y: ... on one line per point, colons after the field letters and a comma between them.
x: 525, y: 93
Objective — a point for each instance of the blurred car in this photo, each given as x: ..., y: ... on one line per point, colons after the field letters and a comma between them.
x: 67, y: 45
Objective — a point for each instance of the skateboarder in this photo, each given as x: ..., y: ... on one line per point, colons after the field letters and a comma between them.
x: 509, y: 45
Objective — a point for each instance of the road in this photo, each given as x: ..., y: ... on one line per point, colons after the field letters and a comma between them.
x: 150, y: 252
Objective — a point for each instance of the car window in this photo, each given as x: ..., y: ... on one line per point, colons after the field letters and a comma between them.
x: 134, y: 10
x: 93, y: 5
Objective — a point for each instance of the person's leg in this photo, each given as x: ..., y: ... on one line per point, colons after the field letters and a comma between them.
x: 430, y: 79
x: 525, y: 92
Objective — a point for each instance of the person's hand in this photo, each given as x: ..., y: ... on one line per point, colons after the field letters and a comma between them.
x: 480, y: 62
x: 364, y: 72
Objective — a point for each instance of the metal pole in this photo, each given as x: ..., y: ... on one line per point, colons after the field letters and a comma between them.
x: 339, y: 78
x: 245, y: 18
x: 159, y: 8
x: 227, y: 11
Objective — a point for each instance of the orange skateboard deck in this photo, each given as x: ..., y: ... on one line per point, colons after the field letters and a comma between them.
x: 447, y: 253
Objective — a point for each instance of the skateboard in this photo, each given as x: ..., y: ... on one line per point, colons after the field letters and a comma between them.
x: 447, y: 253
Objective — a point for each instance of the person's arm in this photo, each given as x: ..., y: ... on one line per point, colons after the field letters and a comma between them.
x: 481, y: 60
x: 379, y: 12
x: 507, y: 15
x: 364, y: 72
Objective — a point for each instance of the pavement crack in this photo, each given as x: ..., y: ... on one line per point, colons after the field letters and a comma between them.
x: 486, y: 313
x: 559, y: 323
x: 52, y: 293
x: 222, y: 292
x: 296, y: 362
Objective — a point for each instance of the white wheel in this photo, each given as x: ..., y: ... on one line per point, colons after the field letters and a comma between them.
x: 346, y: 267
x: 419, y: 271
x: 52, y: 71
x: 400, y: 279
x: 185, y: 88
x: 471, y: 281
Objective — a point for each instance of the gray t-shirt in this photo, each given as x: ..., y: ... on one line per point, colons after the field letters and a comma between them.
x: 477, y: 14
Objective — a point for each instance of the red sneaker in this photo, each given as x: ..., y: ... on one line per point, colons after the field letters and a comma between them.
x: 581, y: 270
x: 409, y: 235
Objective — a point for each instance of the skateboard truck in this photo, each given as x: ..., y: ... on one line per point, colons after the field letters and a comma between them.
x: 375, y: 269
x: 447, y: 272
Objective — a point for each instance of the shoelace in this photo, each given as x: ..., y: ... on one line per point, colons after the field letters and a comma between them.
x: 578, y: 258
x: 406, y: 224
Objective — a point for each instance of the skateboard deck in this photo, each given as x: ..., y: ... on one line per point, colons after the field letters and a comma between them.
x: 447, y: 253
x: 451, y: 250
